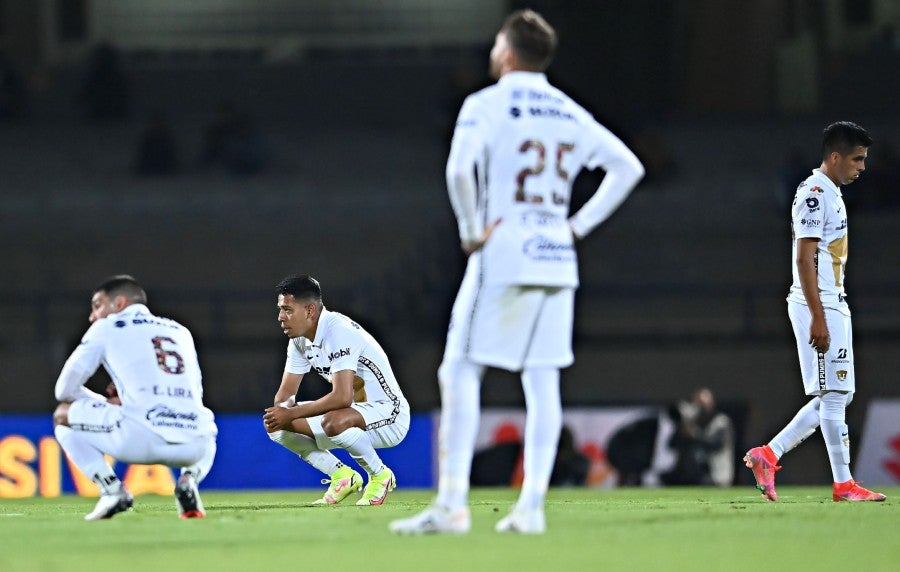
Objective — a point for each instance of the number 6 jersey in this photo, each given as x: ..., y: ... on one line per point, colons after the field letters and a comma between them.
x: 516, y: 150
x: 153, y: 364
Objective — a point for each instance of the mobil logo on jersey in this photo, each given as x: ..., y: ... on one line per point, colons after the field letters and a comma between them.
x: 343, y: 352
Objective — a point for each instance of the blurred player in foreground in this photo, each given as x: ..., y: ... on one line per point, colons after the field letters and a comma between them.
x: 526, y: 140
x: 161, y: 417
x: 364, y: 411
x: 820, y: 316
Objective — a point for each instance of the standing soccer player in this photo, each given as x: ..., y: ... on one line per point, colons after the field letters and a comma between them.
x: 820, y: 316
x: 365, y: 409
x: 161, y: 417
x: 516, y: 150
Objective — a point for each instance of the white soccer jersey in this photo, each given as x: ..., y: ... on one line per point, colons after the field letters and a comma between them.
x: 153, y: 364
x: 527, y: 140
x: 819, y: 212
x: 342, y: 344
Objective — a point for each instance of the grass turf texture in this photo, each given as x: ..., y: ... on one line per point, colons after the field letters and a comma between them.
x: 621, y: 529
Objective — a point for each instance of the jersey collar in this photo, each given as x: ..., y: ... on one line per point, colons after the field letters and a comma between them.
x: 324, y: 318
x: 826, y: 182
x: 132, y: 309
x: 522, y: 77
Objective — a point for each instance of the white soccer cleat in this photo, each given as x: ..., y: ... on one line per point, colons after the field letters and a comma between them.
x: 110, y: 505
x: 523, y: 522
x: 434, y: 520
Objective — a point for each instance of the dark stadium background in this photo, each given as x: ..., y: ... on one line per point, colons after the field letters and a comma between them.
x: 352, y: 104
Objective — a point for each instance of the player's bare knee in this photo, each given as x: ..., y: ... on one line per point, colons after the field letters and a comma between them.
x: 332, y: 425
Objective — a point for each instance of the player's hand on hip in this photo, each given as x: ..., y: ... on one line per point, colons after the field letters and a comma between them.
x: 470, y: 246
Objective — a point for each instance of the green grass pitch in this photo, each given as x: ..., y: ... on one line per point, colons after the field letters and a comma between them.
x: 622, y: 529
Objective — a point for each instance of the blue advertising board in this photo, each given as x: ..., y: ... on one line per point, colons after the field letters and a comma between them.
x: 32, y: 464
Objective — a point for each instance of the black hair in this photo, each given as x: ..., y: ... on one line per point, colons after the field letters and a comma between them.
x: 123, y: 285
x: 844, y: 137
x: 531, y: 37
x: 303, y: 287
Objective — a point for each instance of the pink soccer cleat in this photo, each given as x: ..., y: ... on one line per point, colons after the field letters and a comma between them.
x: 762, y: 461
x: 851, y: 491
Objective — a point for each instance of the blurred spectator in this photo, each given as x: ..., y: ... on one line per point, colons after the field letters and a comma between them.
x: 500, y: 464
x: 12, y: 90
x: 497, y: 464
x: 571, y: 466
x: 157, y: 152
x: 704, y: 442
x: 631, y: 449
x: 234, y: 140
x: 106, y: 92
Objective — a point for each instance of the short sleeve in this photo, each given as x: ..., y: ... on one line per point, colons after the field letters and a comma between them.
x: 296, y: 362
x: 808, y: 213
x: 344, y: 348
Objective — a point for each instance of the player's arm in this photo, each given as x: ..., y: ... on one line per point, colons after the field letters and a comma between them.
x: 623, y: 172
x: 809, y: 282
x: 468, y: 142
x: 340, y: 397
x: 78, y: 369
x: 290, y: 385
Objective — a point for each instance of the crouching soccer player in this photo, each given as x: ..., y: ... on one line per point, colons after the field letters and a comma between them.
x: 156, y: 414
x: 364, y: 411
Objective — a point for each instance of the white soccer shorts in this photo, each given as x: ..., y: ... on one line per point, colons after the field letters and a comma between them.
x: 113, y: 430
x: 511, y: 326
x: 385, y: 426
x: 833, y: 369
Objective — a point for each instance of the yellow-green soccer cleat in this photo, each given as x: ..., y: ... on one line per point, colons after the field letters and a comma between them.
x: 378, y: 488
x: 343, y: 482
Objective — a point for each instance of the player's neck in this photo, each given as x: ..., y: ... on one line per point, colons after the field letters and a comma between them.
x: 828, y: 173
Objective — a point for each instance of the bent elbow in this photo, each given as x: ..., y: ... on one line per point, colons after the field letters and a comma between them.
x: 62, y: 396
x: 636, y: 170
x: 639, y: 171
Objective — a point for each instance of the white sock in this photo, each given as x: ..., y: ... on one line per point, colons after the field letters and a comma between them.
x: 460, y: 383
x: 307, y: 449
x: 800, y: 427
x: 355, y: 441
x: 201, y: 468
x: 88, y: 459
x: 836, y: 434
x: 543, y: 424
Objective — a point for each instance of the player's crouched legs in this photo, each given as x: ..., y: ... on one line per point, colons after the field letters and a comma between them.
x: 341, y: 428
x: 342, y: 480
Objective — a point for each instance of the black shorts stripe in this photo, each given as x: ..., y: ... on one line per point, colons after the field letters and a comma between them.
x: 395, y: 401
x: 820, y: 359
x: 88, y: 428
